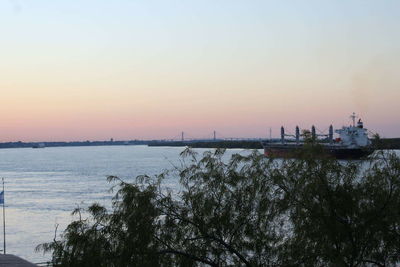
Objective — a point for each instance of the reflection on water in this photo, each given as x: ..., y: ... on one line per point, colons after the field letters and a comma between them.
x: 43, y: 186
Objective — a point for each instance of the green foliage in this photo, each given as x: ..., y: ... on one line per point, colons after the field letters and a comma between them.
x: 245, y: 211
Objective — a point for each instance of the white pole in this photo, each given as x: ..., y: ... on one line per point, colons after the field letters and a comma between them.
x: 4, y: 222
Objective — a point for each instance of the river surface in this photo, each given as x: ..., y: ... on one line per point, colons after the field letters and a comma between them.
x: 43, y: 186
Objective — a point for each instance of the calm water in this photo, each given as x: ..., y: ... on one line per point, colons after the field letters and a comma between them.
x: 43, y: 186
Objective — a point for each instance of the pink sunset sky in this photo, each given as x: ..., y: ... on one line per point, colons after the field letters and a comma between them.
x: 92, y: 70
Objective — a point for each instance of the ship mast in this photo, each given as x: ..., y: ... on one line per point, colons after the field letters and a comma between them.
x: 353, y: 117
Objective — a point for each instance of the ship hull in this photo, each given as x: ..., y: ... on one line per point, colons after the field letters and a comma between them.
x: 288, y: 151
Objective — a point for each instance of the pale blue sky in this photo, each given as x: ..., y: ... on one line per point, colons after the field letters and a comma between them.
x: 154, y: 68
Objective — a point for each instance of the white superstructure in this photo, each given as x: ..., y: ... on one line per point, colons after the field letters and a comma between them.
x: 353, y: 136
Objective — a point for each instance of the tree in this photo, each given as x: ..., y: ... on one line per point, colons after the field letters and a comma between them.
x: 244, y: 211
x: 343, y: 214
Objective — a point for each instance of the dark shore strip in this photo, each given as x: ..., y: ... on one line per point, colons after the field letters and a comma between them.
x: 77, y: 143
x: 212, y: 144
x: 386, y: 143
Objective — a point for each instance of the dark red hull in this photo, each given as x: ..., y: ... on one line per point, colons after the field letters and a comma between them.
x: 290, y: 151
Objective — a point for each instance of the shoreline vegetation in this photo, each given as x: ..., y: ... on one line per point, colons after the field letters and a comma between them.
x: 244, y: 211
x: 383, y: 143
x: 21, y: 144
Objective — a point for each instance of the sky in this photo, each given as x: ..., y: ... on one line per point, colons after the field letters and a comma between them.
x: 147, y: 69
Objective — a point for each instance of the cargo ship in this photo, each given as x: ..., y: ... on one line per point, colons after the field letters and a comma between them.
x: 352, y: 142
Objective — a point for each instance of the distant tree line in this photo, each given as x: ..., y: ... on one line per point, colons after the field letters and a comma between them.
x: 378, y: 143
x: 211, y: 144
x: 245, y: 210
x: 386, y: 143
x: 72, y: 143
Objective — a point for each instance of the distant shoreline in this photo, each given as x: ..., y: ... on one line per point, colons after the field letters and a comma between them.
x: 384, y: 143
x: 212, y: 144
x: 71, y: 144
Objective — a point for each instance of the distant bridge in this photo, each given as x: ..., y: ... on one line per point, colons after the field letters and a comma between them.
x: 184, y: 137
